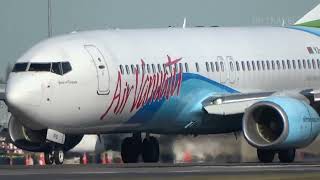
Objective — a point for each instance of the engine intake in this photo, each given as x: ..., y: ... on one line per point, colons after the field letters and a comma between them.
x: 35, y: 140
x: 280, y: 122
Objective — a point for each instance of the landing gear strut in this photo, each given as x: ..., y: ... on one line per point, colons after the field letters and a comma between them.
x: 55, y: 155
x: 133, y: 147
x: 267, y: 156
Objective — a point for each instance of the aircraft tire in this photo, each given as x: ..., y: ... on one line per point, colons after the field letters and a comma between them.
x: 130, y: 150
x: 58, y: 156
x: 265, y: 156
x: 48, y: 158
x: 150, y: 150
x: 287, y: 156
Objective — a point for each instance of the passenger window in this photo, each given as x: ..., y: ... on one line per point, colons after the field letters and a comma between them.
x: 143, y: 69
x: 304, y: 64
x: 222, y: 66
x: 309, y: 64
x: 253, y: 65
x: 273, y: 65
x: 40, y: 67
x: 243, y: 66
x: 181, y: 67
x: 164, y: 68
x: 56, y: 68
x: 318, y: 62
x: 268, y: 65
x: 263, y: 65
x: 187, y: 67
x: 238, y: 66
x: 153, y: 68
x: 175, y: 68
x: 313, y: 64
x: 138, y: 69
x: 127, y: 69
x: 207, y: 66
x: 212, y: 66
x: 283, y: 64
x: 132, y: 69
x: 197, y: 67
x: 217, y: 66
x: 294, y: 64
x: 231, y: 66
x: 258, y: 65
x: 288, y: 64
x: 20, y: 67
x: 121, y: 69
x: 299, y: 64
x: 66, y: 67
x: 278, y: 65
x: 148, y: 68
x: 159, y: 68
x: 248, y: 66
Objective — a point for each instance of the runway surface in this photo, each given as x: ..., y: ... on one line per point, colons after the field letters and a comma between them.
x: 163, y: 171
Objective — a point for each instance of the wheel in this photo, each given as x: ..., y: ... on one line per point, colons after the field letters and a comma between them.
x: 48, y: 158
x: 150, y: 150
x: 58, y: 156
x: 287, y: 156
x: 265, y: 156
x: 130, y: 150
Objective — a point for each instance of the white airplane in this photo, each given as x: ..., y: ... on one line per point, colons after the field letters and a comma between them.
x: 263, y: 81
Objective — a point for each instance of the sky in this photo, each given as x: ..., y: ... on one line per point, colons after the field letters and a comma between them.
x: 24, y: 23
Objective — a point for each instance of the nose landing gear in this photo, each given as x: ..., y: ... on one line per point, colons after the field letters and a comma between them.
x: 132, y: 147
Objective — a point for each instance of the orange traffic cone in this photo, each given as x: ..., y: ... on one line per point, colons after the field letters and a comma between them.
x: 26, y: 162
x: 187, y: 157
x: 41, y: 159
x: 103, y: 158
x: 84, y: 158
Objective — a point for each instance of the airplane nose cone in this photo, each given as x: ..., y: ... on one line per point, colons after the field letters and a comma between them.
x: 21, y: 93
x: 23, y: 96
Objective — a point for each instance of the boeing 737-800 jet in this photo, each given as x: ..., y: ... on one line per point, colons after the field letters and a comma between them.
x: 264, y: 81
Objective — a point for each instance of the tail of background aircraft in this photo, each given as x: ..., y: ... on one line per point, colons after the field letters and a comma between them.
x: 311, y: 19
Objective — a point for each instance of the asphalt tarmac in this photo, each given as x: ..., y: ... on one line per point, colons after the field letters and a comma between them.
x: 163, y: 171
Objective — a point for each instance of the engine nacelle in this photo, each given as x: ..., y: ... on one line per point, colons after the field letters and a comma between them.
x: 280, y: 123
x: 35, y: 140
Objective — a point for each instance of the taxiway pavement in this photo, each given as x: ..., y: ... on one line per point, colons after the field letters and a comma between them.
x: 161, y: 171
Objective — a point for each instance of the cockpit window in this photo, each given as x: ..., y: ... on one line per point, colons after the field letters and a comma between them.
x: 40, y: 67
x: 56, y: 68
x: 66, y: 67
x: 20, y: 67
x: 59, y: 68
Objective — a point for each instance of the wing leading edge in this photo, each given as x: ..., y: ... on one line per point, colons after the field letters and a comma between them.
x: 237, y: 103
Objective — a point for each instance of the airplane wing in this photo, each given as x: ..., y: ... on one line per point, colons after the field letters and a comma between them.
x: 233, y: 104
x: 2, y: 91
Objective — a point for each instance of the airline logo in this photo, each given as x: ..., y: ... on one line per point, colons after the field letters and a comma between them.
x: 148, y: 88
x: 313, y: 50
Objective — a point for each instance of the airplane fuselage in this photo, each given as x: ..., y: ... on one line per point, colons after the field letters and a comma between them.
x: 155, y: 80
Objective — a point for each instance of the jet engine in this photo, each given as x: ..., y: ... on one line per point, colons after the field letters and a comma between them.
x: 280, y: 123
x: 35, y: 140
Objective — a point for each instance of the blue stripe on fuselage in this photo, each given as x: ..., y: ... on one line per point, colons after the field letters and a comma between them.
x: 311, y: 30
x: 185, y: 107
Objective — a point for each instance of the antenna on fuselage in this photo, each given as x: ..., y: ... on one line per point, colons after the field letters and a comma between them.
x: 184, y: 23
